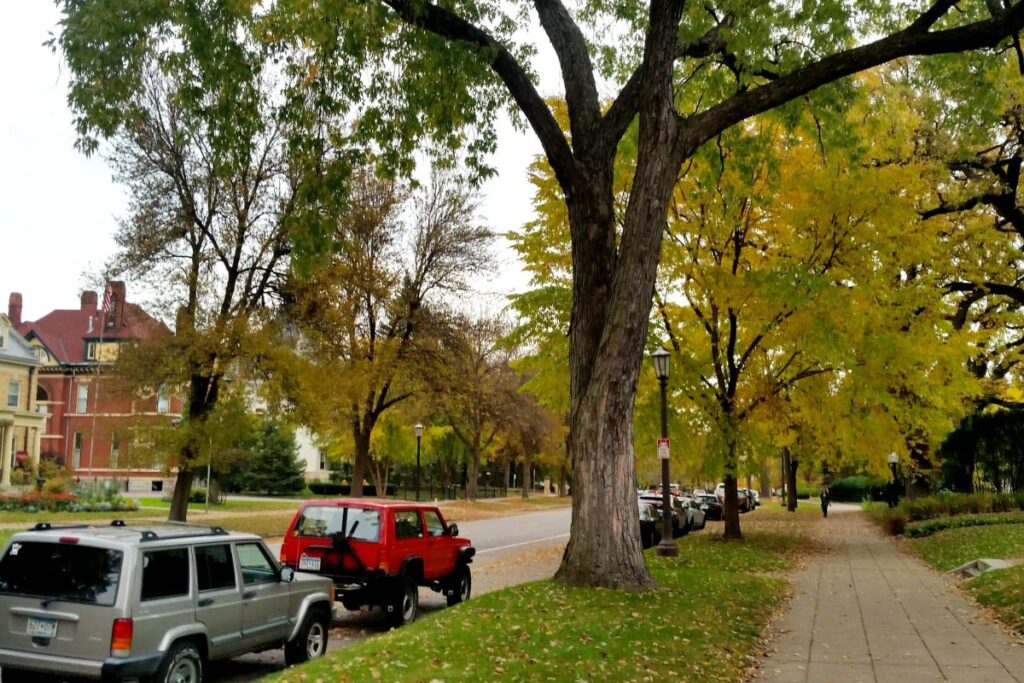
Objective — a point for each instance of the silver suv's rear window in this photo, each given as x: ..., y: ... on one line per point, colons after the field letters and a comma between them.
x: 360, y: 524
x: 61, y: 571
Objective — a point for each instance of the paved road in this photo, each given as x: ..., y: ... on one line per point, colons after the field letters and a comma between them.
x: 510, y: 550
x: 868, y: 612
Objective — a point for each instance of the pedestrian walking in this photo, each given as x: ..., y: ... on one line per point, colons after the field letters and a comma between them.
x: 826, y: 500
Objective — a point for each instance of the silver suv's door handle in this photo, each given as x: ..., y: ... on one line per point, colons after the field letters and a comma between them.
x: 206, y: 602
x: 248, y: 594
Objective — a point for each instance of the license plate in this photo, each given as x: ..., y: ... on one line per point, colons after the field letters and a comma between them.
x: 309, y: 563
x: 45, y: 628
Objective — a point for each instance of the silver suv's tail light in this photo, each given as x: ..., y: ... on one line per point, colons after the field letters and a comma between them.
x: 121, y: 638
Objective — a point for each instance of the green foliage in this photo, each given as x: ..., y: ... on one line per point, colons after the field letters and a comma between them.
x: 855, y: 489
x: 934, y: 526
x: 892, y: 521
x: 896, y: 520
x: 274, y: 467
x: 984, y: 452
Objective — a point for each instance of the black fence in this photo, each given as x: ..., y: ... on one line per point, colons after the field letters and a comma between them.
x: 402, y: 485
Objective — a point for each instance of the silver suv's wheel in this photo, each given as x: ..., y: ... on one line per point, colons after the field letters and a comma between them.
x: 183, y: 664
x: 311, y: 640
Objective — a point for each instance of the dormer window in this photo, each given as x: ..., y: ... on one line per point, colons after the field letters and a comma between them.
x: 3, y: 334
x: 90, y: 350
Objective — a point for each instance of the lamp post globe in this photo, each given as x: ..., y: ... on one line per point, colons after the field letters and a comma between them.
x: 419, y: 433
x: 667, y: 547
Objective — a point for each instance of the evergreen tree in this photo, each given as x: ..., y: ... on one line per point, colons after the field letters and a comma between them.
x: 275, y: 467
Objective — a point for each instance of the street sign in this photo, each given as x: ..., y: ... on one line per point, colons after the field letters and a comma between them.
x: 662, y: 449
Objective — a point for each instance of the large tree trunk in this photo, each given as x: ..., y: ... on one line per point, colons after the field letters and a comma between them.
x: 202, y: 397
x: 765, y: 481
x: 791, y: 467
x: 731, y: 511
x: 612, y: 295
x: 472, y: 472
x: 527, y: 475
x: 361, y: 460
x: 180, y: 496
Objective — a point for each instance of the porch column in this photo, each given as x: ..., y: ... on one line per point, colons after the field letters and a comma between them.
x: 6, y: 432
x: 37, y: 441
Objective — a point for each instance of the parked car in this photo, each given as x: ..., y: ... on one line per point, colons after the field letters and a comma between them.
x: 740, y: 493
x: 756, y: 497
x: 650, y: 524
x: 710, y: 505
x: 153, y: 603
x: 679, y: 519
x: 696, y: 518
x: 379, y: 552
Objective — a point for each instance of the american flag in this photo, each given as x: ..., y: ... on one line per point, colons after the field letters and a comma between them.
x: 106, y: 299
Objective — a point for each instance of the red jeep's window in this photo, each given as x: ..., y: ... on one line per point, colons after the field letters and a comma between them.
x: 435, y: 527
x: 320, y: 521
x: 407, y: 524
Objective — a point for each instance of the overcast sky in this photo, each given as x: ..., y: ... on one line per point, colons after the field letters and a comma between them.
x: 59, y: 207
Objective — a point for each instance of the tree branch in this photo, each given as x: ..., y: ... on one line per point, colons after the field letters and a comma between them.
x: 915, y: 40
x: 446, y: 24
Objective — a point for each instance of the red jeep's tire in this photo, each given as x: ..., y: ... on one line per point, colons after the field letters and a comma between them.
x: 461, y: 585
x: 404, y: 604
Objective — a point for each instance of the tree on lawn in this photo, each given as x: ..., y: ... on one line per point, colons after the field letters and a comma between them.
x: 207, y: 228
x: 430, y: 72
x: 366, y: 310
x: 274, y: 467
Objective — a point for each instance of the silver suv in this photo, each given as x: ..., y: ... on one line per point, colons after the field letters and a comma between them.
x: 153, y: 603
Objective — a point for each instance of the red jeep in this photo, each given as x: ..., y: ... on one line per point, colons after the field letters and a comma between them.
x: 378, y: 552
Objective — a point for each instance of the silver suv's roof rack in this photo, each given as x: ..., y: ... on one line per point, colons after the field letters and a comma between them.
x: 146, y: 534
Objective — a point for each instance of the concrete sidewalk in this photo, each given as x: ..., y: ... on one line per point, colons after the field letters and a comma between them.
x: 867, y: 611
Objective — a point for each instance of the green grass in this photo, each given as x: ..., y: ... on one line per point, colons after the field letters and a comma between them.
x: 719, y: 601
x: 33, y: 517
x: 230, y: 505
x: 1003, y: 591
x: 948, y: 549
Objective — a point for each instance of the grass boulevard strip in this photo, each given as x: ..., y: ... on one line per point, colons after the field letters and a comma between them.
x: 721, y: 595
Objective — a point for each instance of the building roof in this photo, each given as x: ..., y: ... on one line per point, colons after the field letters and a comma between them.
x: 13, y: 347
x: 64, y: 332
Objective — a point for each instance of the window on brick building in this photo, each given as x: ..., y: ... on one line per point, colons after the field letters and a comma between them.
x: 115, y: 450
x: 82, y: 402
x: 163, y: 401
x: 76, y: 451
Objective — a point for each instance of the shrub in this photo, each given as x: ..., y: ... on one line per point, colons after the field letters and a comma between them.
x: 936, y: 525
x: 850, y: 489
x: 57, y: 485
x: 101, y: 492
x: 38, y: 501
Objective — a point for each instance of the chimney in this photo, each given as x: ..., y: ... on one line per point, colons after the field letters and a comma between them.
x: 14, y: 308
x: 117, y: 303
x: 89, y: 301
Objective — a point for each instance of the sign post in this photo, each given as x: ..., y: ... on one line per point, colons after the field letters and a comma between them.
x: 663, y: 449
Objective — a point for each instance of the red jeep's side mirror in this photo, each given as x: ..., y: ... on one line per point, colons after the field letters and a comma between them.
x: 453, y: 529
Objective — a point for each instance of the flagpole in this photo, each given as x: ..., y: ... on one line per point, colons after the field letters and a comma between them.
x: 96, y: 394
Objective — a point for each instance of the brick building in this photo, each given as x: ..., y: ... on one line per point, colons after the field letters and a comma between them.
x: 92, y: 423
x: 21, y: 425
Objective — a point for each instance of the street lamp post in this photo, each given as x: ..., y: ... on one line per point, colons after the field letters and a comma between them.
x: 419, y: 433
x: 667, y: 547
x: 893, y: 463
